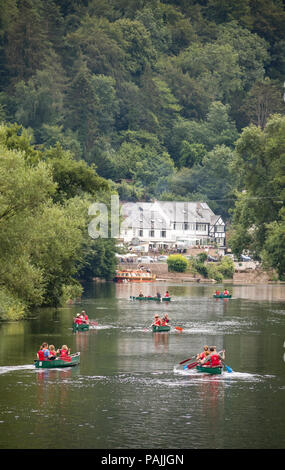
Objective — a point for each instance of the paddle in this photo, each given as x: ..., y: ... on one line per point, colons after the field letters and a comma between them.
x: 93, y: 323
x: 178, y: 328
x: 227, y: 367
x: 192, y: 365
x: 186, y: 360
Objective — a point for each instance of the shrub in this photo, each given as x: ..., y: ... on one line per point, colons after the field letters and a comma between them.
x: 226, y: 267
x: 11, y: 308
x: 177, y: 263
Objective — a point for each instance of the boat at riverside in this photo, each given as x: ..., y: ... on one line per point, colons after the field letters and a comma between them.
x: 134, y: 276
x: 222, y: 296
x: 210, y: 370
x: 160, y: 329
x: 158, y: 299
x: 69, y: 361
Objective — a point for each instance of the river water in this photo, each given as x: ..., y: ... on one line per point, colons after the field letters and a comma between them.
x: 128, y: 393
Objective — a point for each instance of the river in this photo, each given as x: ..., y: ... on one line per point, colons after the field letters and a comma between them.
x: 128, y: 393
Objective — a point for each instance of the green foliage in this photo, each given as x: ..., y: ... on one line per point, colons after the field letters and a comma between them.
x: 273, y: 253
x: 11, y: 308
x: 44, y: 202
x: 260, y: 160
x: 152, y: 96
x: 226, y: 267
x: 177, y: 263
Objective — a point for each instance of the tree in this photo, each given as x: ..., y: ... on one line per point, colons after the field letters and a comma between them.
x: 260, y: 160
x: 263, y: 100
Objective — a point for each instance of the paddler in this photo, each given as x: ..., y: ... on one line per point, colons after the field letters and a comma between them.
x: 43, y: 352
x: 85, y: 316
x: 157, y: 320
x: 203, y: 354
x: 165, y: 319
x: 214, y: 359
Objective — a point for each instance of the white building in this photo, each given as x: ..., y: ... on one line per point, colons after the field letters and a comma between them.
x: 167, y: 224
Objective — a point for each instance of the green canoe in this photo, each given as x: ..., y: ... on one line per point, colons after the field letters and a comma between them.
x: 72, y: 360
x: 158, y: 329
x: 222, y: 296
x: 209, y: 370
x: 80, y: 327
x: 158, y: 299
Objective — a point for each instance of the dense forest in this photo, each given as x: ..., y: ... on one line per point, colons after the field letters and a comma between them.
x: 173, y: 100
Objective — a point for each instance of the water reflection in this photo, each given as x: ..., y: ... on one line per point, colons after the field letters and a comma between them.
x: 161, y: 341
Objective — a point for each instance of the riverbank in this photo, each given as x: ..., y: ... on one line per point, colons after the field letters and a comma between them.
x: 245, y: 273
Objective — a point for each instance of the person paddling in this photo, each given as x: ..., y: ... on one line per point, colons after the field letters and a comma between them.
x: 214, y: 359
x: 43, y: 352
x: 203, y: 354
x: 64, y: 352
x: 165, y: 318
x: 157, y: 320
x: 85, y: 317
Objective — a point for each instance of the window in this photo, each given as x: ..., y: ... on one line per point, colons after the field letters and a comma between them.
x: 220, y: 228
x: 202, y: 227
x: 151, y: 233
x: 185, y: 226
x: 163, y: 233
x: 140, y: 233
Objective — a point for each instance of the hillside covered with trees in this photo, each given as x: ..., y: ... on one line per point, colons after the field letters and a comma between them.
x: 174, y: 100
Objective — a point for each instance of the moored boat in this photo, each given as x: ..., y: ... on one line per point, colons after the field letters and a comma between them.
x: 209, y: 370
x: 69, y: 361
x: 159, y: 329
x: 80, y: 326
x: 222, y: 296
x: 134, y: 276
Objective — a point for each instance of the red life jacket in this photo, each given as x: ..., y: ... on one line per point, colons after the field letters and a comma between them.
x: 163, y: 323
x: 157, y: 323
x: 41, y: 355
x: 215, y: 360
x: 78, y: 321
x: 64, y: 355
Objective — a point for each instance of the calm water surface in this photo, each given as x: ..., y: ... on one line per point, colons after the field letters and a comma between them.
x: 128, y: 392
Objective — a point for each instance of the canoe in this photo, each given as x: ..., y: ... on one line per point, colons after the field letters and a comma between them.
x: 70, y: 361
x: 210, y: 370
x: 222, y: 296
x: 80, y: 327
x: 159, y: 329
x: 158, y: 299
